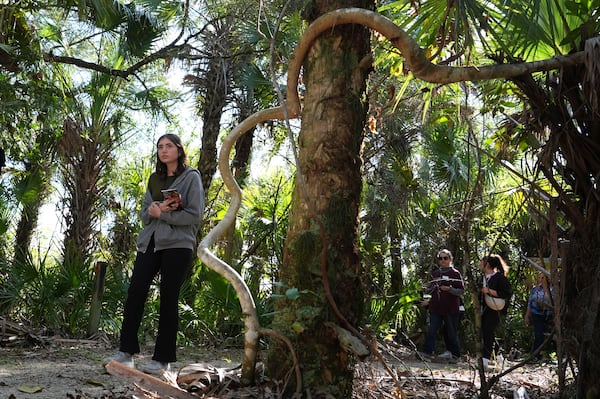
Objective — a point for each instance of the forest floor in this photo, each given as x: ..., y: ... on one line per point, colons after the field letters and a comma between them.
x: 59, y: 368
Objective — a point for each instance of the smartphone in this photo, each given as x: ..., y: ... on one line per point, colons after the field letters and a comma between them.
x: 169, y: 193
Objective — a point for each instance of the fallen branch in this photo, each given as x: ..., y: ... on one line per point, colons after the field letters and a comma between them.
x: 148, y: 382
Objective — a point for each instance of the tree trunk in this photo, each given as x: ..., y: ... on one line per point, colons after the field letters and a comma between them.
x: 396, y: 277
x: 83, y: 159
x: 216, y: 81
x: 28, y: 220
x: 571, y: 151
x: 580, y: 310
x: 324, y: 220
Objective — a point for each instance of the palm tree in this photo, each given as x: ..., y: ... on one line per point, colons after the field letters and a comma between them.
x: 91, y: 120
x: 563, y: 112
x: 560, y: 108
x: 214, y: 86
x: 302, y: 236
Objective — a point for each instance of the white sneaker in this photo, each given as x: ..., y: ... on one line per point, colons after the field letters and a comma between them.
x: 500, y: 361
x: 425, y: 356
x: 155, y: 367
x: 446, y: 355
x: 126, y: 359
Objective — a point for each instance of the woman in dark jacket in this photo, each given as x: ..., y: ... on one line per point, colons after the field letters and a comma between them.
x: 496, y: 285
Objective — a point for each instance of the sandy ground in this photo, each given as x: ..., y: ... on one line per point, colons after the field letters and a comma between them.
x: 73, y: 369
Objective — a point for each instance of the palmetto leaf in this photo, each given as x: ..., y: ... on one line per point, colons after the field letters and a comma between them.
x: 544, y: 28
x: 108, y: 14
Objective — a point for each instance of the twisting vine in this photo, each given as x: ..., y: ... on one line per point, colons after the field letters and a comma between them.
x: 419, y: 66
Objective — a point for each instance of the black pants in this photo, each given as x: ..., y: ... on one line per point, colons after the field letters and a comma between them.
x: 540, y: 325
x: 489, y: 321
x: 173, y: 265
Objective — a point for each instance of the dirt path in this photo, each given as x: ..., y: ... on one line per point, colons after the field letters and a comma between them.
x: 63, y: 371
x: 73, y: 370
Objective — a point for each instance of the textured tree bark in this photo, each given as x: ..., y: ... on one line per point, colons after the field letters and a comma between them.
x: 321, y: 272
x: 322, y: 234
x: 215, y: 101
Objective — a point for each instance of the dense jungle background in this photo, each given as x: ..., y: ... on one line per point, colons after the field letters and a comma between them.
x: 507, y: 165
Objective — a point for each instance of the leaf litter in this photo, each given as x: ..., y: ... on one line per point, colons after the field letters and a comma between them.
x: 53, y: 368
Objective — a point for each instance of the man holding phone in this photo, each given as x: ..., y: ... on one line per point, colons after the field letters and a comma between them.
x: 446, y: 288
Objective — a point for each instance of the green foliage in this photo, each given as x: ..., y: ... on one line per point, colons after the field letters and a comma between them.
x: 443, y: 29
x: 217, y: 305
x: 211, y: 312
x: 46, y: 294
x: 264, y: 219
x: 140, y: 22
x: 388, y: 315
x: 421, y: 160
x: 544, y: 29
x: 7, y: 212
x: 107, y: 14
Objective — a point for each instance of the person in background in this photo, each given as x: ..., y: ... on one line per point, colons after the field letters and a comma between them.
x: 496, y: 285
x: 165, y: 247
x: 539, y: 311
x: 446, y: 288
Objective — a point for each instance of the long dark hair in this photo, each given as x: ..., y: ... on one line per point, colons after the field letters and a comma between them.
x: 161, y: 168
x: 496, y: 262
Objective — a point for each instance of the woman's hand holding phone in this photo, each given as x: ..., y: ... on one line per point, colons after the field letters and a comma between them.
x: 172, y: 200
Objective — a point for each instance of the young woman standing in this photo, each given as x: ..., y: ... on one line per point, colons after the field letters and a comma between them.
x: 496, y: 285
x: 165, y: 247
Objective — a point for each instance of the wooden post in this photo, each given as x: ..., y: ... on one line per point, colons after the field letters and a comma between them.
x: 97, y: 294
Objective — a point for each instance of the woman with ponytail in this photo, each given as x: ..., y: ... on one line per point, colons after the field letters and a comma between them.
x: 496, y: 285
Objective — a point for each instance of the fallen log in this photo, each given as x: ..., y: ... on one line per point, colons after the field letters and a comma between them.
x: 148, y: 382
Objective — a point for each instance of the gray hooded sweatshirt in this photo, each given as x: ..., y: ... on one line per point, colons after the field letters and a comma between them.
x: 175, y: 229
